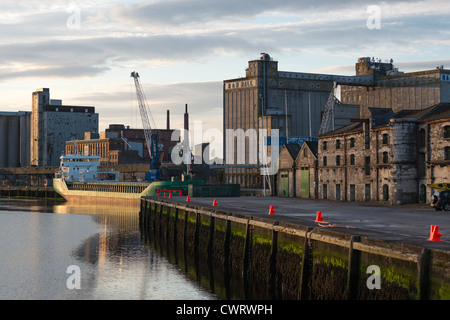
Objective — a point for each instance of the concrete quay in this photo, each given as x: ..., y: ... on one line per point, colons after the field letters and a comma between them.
x: 408, y: 224
x: 287, y: 255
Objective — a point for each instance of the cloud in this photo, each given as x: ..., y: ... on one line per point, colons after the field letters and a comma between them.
x: 178, y: 12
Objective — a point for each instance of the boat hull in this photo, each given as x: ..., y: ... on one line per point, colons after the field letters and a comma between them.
x: 112, y: 192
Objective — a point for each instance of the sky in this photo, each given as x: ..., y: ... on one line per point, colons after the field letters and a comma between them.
x: 85, y: 50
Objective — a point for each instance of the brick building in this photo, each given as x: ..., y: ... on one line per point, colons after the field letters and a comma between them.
x: 122, y: 145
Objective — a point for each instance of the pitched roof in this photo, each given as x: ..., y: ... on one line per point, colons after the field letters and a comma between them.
x: 352, y: 127
x: 434, y: 112
x: 293, y: 148
x: 313, y: 146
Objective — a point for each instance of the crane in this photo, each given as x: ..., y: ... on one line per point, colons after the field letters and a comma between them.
x: 329, y: 111
x: 151, y: 138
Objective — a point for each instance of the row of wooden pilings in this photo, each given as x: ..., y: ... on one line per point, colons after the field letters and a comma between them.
x: 267, y: 259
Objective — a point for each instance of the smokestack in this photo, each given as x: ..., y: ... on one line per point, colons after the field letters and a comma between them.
x: 168, y: 120
x: 186, y: 118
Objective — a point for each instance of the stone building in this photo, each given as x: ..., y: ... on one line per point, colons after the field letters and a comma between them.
x: 297, y: 174
x: 389, y: 157
x: 306, y: 171
x: 286, y: 176
x: 434, y: 150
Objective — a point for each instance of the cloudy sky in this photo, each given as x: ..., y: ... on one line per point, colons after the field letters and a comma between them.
x: 85, y: 50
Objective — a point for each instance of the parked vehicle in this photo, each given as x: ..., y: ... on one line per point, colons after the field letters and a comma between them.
x: 441, y: 201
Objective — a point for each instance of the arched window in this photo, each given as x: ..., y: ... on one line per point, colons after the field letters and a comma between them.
x: 352, y: 159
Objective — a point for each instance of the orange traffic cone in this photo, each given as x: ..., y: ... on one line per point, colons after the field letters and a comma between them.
x: 271, y: 210
x: 319, y: 217
x: 214, y: 203
x: 435, y: 235
x: 188, y: 199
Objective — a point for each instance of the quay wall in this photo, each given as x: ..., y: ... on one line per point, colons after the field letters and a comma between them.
x: 244, y: 257
x: 29, y: 193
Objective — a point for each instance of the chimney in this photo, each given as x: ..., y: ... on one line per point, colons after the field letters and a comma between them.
x: 186, y: 118
x: 168, y: 120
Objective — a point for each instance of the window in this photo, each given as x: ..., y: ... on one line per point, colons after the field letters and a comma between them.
x: 385, y: 157
x: 324, y: 145
x: 447, y: 132
x: 324, y: 161
x: 352, y: 142
x: 338, y: 160
x: 325, y: 192
x: 447, y: 153
x: 338, y: 144
x: 367, y: 166
x: 352, y: 159
x: 385, y: 138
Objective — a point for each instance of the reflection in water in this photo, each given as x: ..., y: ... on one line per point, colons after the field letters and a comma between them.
x: 44, y: 238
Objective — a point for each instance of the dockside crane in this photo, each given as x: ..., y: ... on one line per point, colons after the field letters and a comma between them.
x: 151, y: 138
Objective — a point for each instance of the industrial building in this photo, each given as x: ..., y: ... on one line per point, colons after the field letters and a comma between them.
x: 296, y: 104
x: 120, y: 144
x: 52, y: 124
x: 14, y: 139
x: 394, y: 89
x: 292, y: 102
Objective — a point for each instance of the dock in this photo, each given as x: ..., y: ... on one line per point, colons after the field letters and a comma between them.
x: 277, y: 256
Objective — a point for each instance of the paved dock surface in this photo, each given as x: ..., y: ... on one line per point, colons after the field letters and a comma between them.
x: 408, y: 224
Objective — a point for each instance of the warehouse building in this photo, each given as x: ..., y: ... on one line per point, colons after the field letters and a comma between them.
x: 52, y: 124
x: 389, y: 157
x: 291, y: 102
x: 396, y: 90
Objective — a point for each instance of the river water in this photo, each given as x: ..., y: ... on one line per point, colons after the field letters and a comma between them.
x: 61, y: 252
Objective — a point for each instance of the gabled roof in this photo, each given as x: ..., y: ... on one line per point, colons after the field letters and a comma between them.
x: 293, y: 148
x: 313, y: 146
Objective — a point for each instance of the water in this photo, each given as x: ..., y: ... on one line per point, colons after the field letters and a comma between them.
x: 39, y: 241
